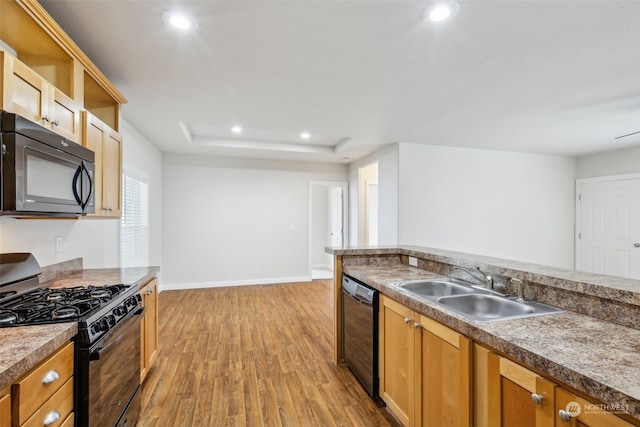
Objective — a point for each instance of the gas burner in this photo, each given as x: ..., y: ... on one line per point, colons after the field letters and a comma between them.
x: 7, y: 317
x: 65, y: 312
x: 56, y: 296
x: 100, y: 293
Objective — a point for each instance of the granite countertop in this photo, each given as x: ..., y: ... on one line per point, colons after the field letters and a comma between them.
x: 104, y: 276
x: 24, y: 347
x: 601, y: 286
x: 596, y: 357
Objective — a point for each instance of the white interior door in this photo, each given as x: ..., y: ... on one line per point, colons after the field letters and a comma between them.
x: 372, y: 214
x: 336, y: 215
x: 609, y: 226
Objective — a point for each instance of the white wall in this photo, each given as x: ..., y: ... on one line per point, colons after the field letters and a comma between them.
x: 237, y: 221
x: 617, y: 162
x: 142, y: 160
x: 97, y: 241
x: 387, y: 159
x: 503, y: 204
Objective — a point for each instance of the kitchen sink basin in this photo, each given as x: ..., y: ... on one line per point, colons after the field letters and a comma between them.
x: 484, y: 307
x: 436, y: 288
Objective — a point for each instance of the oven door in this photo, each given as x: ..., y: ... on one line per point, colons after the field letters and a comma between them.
x: 110, y: 378
x: 38, y: 178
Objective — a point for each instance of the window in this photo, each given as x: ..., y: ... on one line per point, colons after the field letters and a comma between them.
x: 134, y: 250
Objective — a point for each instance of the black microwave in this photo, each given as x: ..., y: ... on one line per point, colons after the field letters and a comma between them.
x: 42, y: 173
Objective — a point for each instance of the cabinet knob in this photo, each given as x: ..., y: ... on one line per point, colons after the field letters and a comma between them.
x: 56, y: 123
x: 407, y: 320
x: 50, y: 377
x: 537, y: 399
x: 46, y: 118
x: 564, y: 415
x: 416, y: 325
x: 51, y: 418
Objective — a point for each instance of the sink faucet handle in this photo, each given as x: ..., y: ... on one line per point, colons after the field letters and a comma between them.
x: 520, y: 288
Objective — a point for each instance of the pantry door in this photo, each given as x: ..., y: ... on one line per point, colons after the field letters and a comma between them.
x: 608, y: 225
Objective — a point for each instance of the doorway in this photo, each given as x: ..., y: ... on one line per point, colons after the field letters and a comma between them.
x: 608, y: 225
x: 327, y: 224
x: 368, y: 205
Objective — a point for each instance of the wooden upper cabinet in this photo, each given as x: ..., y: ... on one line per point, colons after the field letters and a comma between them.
x: 28, y: 94
x: 50, y: 79
x: 107, y: 146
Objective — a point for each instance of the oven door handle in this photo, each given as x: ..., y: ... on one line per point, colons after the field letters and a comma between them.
x: 95, y: 354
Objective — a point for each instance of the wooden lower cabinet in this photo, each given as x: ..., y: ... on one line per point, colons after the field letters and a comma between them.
x: 5, y: 407
x: 425, y: 368
x: 574, y: 411
x: 509, y: 395
x: 397, y: 359
x: 149, y: 327
x: 44, y: 396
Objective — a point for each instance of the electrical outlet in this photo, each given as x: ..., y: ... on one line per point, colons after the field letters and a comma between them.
x: 413, y: 261
x: 59, y: 244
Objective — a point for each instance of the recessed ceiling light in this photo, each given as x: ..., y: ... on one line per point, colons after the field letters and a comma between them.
x: 236, y: 129
x: 179, y: 20
x: 441, y: 11
x: 305, y: 135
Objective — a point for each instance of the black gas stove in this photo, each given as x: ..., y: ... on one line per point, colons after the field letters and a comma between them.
x: 97, y: 309
x: 107, y: 350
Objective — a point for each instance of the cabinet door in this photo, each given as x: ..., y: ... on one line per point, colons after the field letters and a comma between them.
x: 443, y: 373
x: 149, y: 331
x: 112, y: 172
x: 93, y: 138
x: 522, y: 398
x: 65, y: 117
x: 5, y: 408
x: 24, y: 92
x: 28, y: 94
x: 568, y: 414
x: 397, y: 374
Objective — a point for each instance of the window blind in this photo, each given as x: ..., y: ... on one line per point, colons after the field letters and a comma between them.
x: 134, y: 250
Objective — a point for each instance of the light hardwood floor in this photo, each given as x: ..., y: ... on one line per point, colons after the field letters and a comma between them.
x: 252, y: 356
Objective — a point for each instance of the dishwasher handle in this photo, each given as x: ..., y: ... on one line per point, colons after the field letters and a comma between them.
x: 358, y: 300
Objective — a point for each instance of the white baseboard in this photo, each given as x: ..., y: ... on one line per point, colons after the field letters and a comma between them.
x: 204, y: 285
x: 321, y: 266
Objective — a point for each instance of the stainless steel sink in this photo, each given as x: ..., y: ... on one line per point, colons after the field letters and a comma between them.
x: 484, y: 307
x: 436, y: 288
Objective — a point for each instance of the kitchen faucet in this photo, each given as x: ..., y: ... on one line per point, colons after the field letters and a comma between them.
x: 486, y: 281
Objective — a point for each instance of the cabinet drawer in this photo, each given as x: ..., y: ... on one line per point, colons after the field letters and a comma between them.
x: 42, y: 382
x: 54, y: 412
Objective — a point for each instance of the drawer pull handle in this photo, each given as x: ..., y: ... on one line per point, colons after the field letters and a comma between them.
x: 564, y: 415
x: 51, y: 418
x: 537, y: 399
x: 51, y: 376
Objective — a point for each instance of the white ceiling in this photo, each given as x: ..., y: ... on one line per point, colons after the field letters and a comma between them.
x: 551, y: 77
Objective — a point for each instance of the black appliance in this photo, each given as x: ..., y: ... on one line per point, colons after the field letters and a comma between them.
x: 107, y: 348
x: 42, y: 173
x: 360, y: 334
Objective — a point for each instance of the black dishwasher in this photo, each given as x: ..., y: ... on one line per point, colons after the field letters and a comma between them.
x: 360, y: 333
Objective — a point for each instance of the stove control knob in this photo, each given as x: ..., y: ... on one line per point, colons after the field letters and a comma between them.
x: 121, y: 310
x: 104, y: 325
x: 111, y: 319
